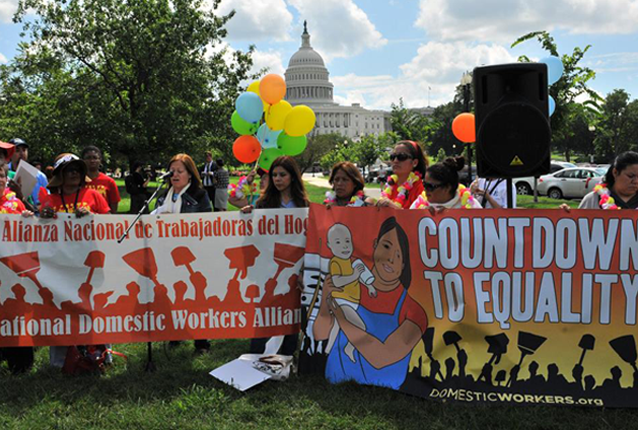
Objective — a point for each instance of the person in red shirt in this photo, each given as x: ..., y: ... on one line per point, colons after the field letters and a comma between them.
x: 101, y: 183
x: 19, y: 359
x: 405, y: 185
x: 70, y: 195
x: 68, y: 191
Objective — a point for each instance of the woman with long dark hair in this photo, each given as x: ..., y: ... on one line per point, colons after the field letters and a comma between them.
x: 394, y: 321
x: 285, y: 190
x: 408, y: 169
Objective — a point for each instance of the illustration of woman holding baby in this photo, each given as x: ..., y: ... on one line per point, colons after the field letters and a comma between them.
x: 374, y: 349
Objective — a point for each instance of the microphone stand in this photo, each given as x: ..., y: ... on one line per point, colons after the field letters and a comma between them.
x: 150, y: 365
x: 141, y: 212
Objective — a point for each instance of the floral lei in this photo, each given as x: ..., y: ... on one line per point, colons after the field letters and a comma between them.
x: 356, y: 200
x: 242, y: 188
x: 464, y: 195
x: 606, y: 200
x: 402, y: 190
x: 11, y: 203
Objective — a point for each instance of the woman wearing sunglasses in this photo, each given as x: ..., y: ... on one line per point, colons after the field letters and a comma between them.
x: 443, y: 190
x: 408, y: 168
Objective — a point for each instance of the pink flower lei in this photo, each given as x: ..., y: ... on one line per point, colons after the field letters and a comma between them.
x: 465, y: 196
x: 242, y: 188
x: 606, y: 200
x: 402, y: 190
x: 356, y: 200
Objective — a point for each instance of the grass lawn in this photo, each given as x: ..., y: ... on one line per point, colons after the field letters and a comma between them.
x: 181, y: 395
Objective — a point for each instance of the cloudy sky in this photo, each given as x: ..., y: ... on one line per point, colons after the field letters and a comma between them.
x: 380, y: 50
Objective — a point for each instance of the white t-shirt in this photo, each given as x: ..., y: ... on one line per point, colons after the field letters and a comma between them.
x: 497, y: 188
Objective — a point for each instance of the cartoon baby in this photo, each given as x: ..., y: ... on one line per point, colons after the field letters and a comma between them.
x: 346, y: 275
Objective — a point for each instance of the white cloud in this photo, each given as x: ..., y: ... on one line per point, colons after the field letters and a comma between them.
x: 7, y: 10
x: 270, y: 59
x: 338, y: 28
x: 429, y: 78
x: 505, y: 20
x: 3, y: 59
x: 256, y: 20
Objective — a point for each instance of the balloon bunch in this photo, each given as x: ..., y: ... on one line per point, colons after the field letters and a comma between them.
x: 554, y: 72
x: 269, y: 126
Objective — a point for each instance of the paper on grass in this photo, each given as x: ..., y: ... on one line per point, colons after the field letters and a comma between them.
x: 240, y: 374
x: 27, y: 177
x: 249, y: 370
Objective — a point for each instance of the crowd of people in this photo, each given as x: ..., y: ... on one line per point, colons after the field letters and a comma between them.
x: 76, y: 185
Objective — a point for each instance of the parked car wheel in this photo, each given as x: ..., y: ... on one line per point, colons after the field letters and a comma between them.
x: 522, y: 189
x: 555, y: 193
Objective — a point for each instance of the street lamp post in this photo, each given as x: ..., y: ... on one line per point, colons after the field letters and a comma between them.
x: 466, y: 81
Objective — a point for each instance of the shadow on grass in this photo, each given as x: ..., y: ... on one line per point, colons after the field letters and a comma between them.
x: 182, y: 392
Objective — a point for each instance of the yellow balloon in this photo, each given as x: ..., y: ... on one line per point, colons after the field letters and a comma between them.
x: 299, y: 121
x: 254, y: 87
x: 276, y: 115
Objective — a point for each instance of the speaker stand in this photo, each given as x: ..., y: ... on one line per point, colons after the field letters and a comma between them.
x: 510, y: 193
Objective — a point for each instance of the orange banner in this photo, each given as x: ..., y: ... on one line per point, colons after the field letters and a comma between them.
x: 518, y: 306
x: 192, y: 276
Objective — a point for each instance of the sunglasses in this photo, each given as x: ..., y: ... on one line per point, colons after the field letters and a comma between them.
x: 401, y: 156
x: 431, y: 187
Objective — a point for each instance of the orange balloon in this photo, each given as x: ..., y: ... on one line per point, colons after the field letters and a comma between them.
x: 272, y: 88
x: 246, y: 149
x: 464, y: 128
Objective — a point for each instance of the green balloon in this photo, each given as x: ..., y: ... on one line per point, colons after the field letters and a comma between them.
x: 242, y: 127
x: 290, y: 145
x: 268, y: 156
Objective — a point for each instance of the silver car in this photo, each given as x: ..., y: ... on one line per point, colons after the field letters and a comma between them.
x: 570, y: 183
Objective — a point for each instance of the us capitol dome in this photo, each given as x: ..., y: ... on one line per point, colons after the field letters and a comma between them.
x: 308, y: 83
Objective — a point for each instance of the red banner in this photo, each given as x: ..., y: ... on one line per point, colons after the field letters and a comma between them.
x: 198, y: 276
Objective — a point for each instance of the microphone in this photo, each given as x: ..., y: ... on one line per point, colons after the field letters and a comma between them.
x: 166, y: 175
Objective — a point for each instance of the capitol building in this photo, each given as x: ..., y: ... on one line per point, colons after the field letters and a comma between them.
x: 307, y: 83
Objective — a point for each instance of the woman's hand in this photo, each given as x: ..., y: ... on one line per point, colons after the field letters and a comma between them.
x: 251, y: 176
x: 27, y: 214
x: 434, y: 210
x: 80, y: 212
x: 47, y: 212
x: 335, y: 310
x: 384, y: 203
x: 247, y: 209
x: 565, y: 207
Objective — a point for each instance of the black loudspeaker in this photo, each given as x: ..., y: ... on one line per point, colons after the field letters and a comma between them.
x: 512, y: 120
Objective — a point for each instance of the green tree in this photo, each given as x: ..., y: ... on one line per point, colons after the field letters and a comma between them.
x: 616, y: 127
x: 318, y: 146
x: 141, y: 78
x: 409, y: 124
x: 570, y: 86
x: 367, y: 151
x: 441, y: 155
